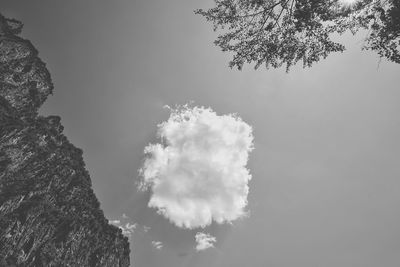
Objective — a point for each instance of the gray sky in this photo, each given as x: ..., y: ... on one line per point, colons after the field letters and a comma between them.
x: 325, y: 188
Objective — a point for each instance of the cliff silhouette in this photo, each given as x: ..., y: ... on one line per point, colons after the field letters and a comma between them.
x: 49, y: 214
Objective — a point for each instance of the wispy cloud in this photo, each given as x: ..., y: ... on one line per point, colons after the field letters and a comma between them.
x: 157, y: 244
x: 127, y: 229
x: 198, y: 172
x: 204, y: 241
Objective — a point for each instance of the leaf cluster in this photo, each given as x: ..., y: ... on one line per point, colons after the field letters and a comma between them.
x: 283, y: 32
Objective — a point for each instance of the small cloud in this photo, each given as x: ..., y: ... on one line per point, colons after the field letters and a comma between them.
x: 124, y: 216
x: 182, y: 254
x: 204, y: 241
x: 146, y: 228
x: 157, y: 244
x: 127, y: 230
x: 130, y: 226
x: 198, y: 174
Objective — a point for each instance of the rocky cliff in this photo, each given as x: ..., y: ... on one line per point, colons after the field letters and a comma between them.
x: 49, y: 215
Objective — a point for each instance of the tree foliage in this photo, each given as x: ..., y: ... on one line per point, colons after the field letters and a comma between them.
x: 283, y: 32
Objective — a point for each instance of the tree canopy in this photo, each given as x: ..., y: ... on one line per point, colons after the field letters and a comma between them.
x: 279, y: 33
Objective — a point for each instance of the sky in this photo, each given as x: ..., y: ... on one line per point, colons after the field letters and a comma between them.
x: 325, y: 168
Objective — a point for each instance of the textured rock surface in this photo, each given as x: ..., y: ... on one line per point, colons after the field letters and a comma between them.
x: 49, y: 215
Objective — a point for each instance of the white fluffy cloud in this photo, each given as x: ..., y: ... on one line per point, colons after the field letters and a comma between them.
x: 204, y: 241
x: 198, y: 172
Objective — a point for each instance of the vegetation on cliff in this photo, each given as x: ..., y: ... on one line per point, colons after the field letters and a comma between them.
x: 49, y: 215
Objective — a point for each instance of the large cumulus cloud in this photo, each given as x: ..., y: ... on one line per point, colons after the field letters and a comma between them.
x: 198, y: 172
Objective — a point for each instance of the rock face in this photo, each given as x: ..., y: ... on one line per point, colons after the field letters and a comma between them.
x: 49, y: 215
